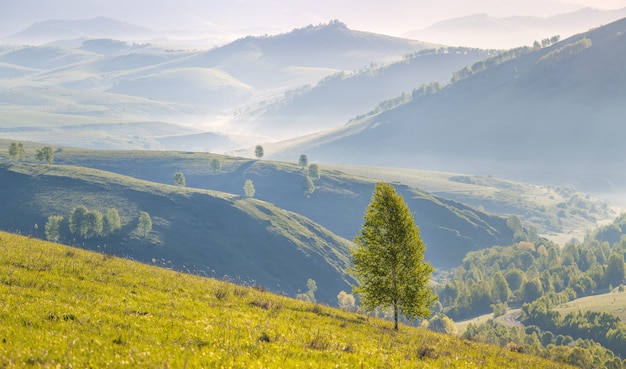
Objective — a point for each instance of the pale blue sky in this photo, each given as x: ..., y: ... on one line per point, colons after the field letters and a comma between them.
x: 392, y: 17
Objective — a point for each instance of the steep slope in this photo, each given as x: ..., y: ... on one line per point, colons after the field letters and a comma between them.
x: 338, y: 203
x: 66, y: 307
x: 549, y: 115
x: 203, y: 232
x: 343, y: 96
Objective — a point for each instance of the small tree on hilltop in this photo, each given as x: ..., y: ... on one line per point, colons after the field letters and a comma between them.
x: 258, y: 151
x: 17, y: 151
x: 179, y: 179
x: 215, y: 164
x: 388, y: 261
x: 303, y: 161
x: 45, y: 154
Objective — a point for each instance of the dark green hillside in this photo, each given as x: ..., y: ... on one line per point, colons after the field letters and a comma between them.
x: 338, y: 203
x: 550, y: 115
x: 204, y: 232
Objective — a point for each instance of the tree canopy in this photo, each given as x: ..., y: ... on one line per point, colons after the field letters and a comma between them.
x: 179, y: 179
x: 258, y: 151
x: 45, y: 154
x: 388, y: 261
x: 303, y: 161
x: 17, y: 151
x: 248, y: 188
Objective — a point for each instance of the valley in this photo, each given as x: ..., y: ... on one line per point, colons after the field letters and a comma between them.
x: 235, y: 178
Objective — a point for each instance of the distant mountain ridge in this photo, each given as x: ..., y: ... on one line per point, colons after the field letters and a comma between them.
x: 482, y: 30
x: 540, y: 116
x: 99, y: 27
x: 105, y: 81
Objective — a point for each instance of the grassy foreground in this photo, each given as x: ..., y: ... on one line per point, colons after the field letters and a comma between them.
x: 65, y: 307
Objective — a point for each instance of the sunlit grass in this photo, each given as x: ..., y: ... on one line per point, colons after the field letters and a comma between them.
x: 613, y: 302
x: 66, y: 307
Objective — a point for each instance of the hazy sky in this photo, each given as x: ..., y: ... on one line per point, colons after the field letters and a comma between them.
x: 392, y: 17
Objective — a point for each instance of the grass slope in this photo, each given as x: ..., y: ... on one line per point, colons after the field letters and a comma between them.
x: 65, y: 307
x: 613, y: 302
x: 450, y: 229
x: 204, y: 232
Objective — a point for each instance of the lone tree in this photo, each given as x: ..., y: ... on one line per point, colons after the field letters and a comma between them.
x: 45, y: 154
x: 144, y: 224
x: 314, y: 171
x: 248, y: 188
x: 303, y: 161
x: 258, y: 151
x: 179, y: 179
x: 215, y: 164
x: 388, y: 261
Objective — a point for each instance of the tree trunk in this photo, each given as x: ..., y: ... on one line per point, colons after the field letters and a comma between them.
x: 395, y: 317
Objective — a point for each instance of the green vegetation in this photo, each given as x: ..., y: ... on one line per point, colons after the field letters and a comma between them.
x: 179, y: 179
x: 248, y: 188
x: 314, y: 171
x: 309, y: 295
x: 388, y: 261
x: 215, y: 164
x: 542, y: 276
x: 45, y: 154
x: 82, y: 223
x: 303, y: 161
x: 613, y: 302
x: 566, y: 52
x: 258, y: 151
x: 17, y: 151
x: 144, y: 224
x: 71, y: 308
x: 205, y: 232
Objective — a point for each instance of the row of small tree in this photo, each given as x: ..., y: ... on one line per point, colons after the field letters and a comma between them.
x: 18, y: 152
x: 84, y: 223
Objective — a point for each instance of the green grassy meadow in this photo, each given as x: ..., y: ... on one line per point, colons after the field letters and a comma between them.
x: 66, y: 307
x: 613, y: 302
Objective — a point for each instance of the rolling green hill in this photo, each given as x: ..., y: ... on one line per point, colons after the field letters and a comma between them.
x: 66, y: 307
x: 450, y: 229
x: 199, y: 231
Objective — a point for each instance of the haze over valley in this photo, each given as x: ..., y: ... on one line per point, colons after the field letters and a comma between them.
x: 243, y: 142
